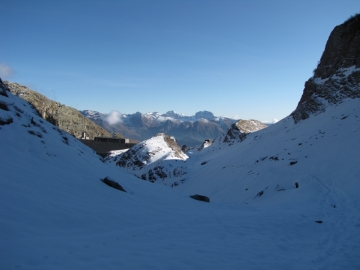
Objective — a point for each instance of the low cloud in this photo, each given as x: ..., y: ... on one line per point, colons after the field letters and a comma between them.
x: 113, y: 117
x: 270, y: 122
x: 5, y: 71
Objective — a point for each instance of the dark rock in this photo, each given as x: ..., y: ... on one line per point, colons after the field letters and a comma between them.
x: 113, y: 184
x: 6, y: 121
x: 4, y: 106
x: 184, y: 148
x: 318, y: 221
x: 200, y: 198
x: 3, y: 89
x: 337, y: 75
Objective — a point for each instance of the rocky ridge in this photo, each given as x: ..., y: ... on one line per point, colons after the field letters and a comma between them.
x: 239, y: 131
x: 64, y: 117
x: 337, y: 76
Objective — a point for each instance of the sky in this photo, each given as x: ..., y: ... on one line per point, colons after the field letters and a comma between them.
x: 240, y: 59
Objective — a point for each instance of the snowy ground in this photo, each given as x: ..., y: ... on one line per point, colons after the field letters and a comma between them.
x: 57, y: 214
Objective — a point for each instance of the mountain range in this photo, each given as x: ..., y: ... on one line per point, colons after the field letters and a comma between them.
x: 282, y: 197
x: 187, y: 130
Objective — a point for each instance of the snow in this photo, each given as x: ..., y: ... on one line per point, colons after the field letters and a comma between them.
x: 57, y: 214
x: 270, y: 122
x: 342, y: 73
x: 115, y: 153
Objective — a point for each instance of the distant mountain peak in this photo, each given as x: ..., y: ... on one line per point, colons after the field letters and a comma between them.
x: 204, y: 114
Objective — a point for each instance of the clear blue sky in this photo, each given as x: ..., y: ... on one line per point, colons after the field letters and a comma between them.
x: 244, y: 58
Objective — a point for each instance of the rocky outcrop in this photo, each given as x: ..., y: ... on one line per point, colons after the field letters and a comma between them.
x: 3, y: 89
x: 205, y: 144
x: 240, y: 129
x: 337, y: 75
x: 64, y: 117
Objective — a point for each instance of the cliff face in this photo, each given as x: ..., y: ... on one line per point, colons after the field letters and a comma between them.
x: 66, y: 118
x: 337, y: 75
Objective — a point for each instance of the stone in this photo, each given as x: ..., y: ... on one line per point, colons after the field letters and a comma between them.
x: 112, y: 184
x: 200, y: 198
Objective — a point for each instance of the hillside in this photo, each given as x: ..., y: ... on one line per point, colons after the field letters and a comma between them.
x: 64, y: 117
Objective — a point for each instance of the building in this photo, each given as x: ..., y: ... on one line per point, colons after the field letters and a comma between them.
x: 102, y: 145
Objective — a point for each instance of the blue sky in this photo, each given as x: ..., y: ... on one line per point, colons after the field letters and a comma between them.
x: 248, y: 59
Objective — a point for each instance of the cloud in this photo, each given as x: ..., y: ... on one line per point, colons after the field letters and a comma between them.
x: 113, y: 117
x: 5, y: 71
x: 271, y: 122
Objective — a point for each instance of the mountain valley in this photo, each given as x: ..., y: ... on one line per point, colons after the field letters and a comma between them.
x: 284, y: 196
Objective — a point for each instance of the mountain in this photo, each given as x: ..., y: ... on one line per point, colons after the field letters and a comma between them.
x: 283, y: 197
x: 188, y: 130
x: 64, y: 117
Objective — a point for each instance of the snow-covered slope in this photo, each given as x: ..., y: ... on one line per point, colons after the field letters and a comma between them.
x: 321, y: 150
x: 57, y: 214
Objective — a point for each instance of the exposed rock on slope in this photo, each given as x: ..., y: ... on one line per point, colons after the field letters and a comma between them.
x: 3, y: 89
x: 64, y: 117
x: 156, y: 159
x: 337, y: 75
x: 239, y: 131
x: 205, y: 144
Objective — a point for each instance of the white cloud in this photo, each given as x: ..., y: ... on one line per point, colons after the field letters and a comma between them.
x: 5, y: 71
x: 113, y: 117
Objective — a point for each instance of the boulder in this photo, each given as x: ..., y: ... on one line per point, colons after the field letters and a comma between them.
x: 200, y: 198
x: 112, y: 184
